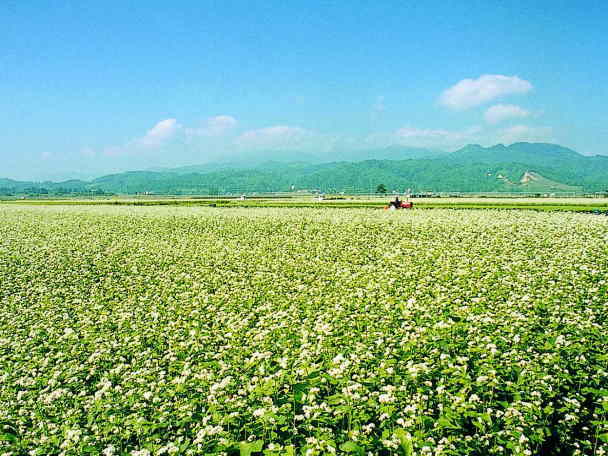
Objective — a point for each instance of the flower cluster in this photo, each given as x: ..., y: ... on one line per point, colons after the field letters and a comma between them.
x: 202, y: 331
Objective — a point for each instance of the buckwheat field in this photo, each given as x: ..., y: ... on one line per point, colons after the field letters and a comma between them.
x: 206, y: 331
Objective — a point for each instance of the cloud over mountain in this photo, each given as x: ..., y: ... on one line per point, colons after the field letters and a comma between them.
x: 500, y: 112
x: 434, y: 138
x: 519, y: 133
x: 468, y: 93
x: 214, y: 126
x: 278, y: 136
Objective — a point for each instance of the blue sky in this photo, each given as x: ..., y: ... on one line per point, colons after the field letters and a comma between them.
x: 93, y: 87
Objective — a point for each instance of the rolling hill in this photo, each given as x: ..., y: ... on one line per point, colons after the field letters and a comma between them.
x: 520, y: 167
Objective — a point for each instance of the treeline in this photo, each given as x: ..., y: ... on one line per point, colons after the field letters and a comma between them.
x: 44, y: 191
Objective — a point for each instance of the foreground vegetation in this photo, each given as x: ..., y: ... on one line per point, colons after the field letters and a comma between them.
x: 193, y: 330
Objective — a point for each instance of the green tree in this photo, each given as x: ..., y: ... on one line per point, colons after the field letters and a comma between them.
x: 381, y: 188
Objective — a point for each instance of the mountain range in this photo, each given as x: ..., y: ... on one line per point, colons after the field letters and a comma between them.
x: 520, y: 167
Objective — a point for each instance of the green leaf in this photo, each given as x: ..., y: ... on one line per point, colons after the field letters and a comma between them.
x: 335, y: 399
x: 350, y: 447
x: 604, y: 437
x: 8, y: 437
x: 246, y: 448
x: 298, y: 391
x: 405, y: 442
x: 257, y: 446
x: 445, y: 422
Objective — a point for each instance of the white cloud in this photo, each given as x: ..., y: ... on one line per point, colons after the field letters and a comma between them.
x: 158, y: 134
x: 278, y: 136
x: 519, y: 133
x: 155, y: 137
x: 473, y: 92
x: 214, y: 126
x: 497, y: 113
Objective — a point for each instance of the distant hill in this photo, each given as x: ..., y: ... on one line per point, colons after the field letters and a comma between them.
x: 10, y: 186
x: 387, y: 153
x: 520, y: 167
x: 270, y: 159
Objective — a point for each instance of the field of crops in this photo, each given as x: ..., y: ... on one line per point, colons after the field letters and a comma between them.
x: 588, y: 205
x: 193, y: 330
x: 158, y: 200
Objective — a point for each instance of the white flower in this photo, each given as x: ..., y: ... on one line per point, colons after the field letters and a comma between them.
x: 143, y: 452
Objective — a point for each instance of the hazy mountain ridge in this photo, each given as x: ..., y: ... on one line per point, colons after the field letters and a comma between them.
x: 266, y: 159
x: 526, y: 167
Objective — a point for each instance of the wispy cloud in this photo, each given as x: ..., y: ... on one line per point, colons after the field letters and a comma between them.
x: 525, y: 133
x: 214, y: 126
x: 435, y: 138
x: 278, y: 136
x: 219, y: 137
x: 501, y: 112
x: 449, y: 140
x: 468, y: 93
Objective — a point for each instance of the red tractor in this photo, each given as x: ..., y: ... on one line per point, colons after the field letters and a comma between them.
x: 398, y: 204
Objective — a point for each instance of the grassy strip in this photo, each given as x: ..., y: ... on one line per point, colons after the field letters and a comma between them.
x: 549, y: 207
